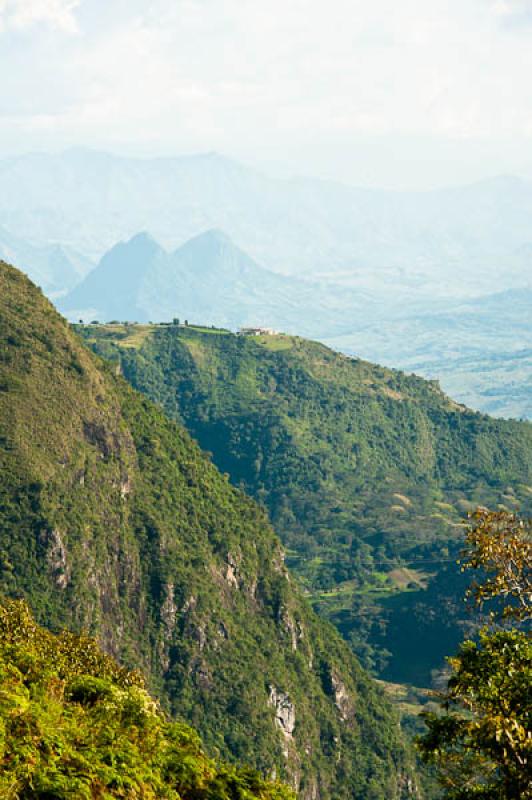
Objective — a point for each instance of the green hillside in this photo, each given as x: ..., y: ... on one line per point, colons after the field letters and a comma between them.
x: 75, y: 725
x: 113, y: 521
x: 367, y: 473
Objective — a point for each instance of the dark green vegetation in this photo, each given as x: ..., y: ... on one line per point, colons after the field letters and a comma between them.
x: 367, y: 473
x: 480, y: 737
x: 482, y: 741
x: 76, y: 726
x: 112, y: 520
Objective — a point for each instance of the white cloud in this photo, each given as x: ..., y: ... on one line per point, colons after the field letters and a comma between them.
x: 304, y: 68
x: 507, y: 7
x: 244, y: 76
x: 21, y: 14
x: 513, y: 14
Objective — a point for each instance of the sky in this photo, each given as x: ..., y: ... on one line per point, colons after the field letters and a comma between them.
x: 415, y: 94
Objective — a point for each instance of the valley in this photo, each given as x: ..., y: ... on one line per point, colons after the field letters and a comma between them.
x: 478, y: 349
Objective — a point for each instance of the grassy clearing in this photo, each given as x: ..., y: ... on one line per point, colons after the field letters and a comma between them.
x: 136, y: 336
x: 276, y: 342
x: 404, y: 578
x: 408, y: 700
x: 202, y: 329
x: 130, y: 335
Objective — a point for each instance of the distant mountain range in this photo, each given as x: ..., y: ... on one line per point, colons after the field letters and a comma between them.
x: 209, y: 279
x: 474, y: 347
x: 417, y: 280
x: 465, y: 240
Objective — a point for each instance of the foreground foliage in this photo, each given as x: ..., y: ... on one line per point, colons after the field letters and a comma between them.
x: 499, y: 545
x: 481, y: 738
x: 76, y: 726
x: 482, y: 744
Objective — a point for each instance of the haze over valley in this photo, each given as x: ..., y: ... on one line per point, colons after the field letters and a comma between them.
x: 436, y: 283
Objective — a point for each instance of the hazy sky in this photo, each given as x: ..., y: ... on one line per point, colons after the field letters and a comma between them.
x: 412, y: 93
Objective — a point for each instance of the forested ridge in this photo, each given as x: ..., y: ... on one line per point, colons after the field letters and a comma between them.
x: 367, y: 473
x: 113, y: 521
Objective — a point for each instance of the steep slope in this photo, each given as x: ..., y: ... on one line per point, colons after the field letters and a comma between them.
x: 208, y: 278
x: 367, y: 473
x: 112, y: 520
x: 95, y: 731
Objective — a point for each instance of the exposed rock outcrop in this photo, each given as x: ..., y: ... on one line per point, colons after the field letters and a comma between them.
x: 342, y: 699
x: 285, y: 715
x: 232, y: 572
x: 57, y: 559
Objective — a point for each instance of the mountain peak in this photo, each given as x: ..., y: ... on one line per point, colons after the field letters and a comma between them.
x: 143, y: 239
x: 212, y: 236
x: 107, y: 291
x: 140, y: 249
x: 213, y: 244
x: 213, y: 251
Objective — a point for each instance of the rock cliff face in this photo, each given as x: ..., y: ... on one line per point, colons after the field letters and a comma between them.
x: 285, y: 715
x: 112, y: 520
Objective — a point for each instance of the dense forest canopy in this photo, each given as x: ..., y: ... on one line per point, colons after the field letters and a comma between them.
x: 367, y: 472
